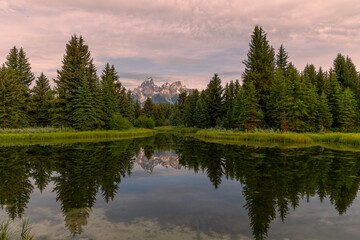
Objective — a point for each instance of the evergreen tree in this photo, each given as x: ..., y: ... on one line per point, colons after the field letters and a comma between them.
x: 333, y: 93
x: 320, y: 81
x: 148, y: 109
x: 83, y: 113
x: 41, y: 97
x: 200, y: 115
x: 325, y: 116
x: 298, y: 111
x: 280, y: 98
x: 177, y: 118
x: 190, y: 106
x: 282, y: 60
x: 137, y: 109
x: 238, y: 108
x: 260, y: 66
x: 76, y: 62
x: 18, y: 61
x: 131, y: 111
x: 229, y: 99
x: 108, y: 78
x: 347, y: 110
x: 12, y: 115
x: 310, y: 73
x: 251, y: 116
x: 214, y: 100
x: 346, y: 72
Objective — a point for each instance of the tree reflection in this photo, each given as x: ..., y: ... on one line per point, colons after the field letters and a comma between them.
x: 273, y: 180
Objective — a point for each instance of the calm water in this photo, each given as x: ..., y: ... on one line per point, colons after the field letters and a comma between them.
x: 171, y: 187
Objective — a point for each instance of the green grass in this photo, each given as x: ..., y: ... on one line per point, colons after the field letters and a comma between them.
x: 286, y: 137
x: 8, y: 232
x: 177, y: 130
x: 58, y: 136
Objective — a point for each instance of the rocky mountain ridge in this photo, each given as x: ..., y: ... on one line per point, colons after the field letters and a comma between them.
x: 166, y: 93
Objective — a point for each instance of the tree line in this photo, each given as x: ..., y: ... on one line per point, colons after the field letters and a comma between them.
x: 273, y: 94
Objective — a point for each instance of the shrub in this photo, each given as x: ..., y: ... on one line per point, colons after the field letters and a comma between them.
x: 144, y: 122
x: 118, y: 122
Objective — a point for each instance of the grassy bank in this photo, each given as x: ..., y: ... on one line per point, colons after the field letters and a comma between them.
x: 288, y: 137
x: 56, y: 136
x: 177, y: 130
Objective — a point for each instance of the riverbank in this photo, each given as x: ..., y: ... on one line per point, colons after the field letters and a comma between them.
x: 29, y: 136
x: 286, y: 137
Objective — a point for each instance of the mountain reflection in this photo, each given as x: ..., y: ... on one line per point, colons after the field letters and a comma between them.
x: 273, y: 180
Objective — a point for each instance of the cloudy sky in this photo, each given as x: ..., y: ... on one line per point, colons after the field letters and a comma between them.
x: 186, y: 40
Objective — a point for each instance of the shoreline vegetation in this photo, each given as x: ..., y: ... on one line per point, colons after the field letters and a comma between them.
x: 235, y: 137
x: 50, y: 135
x: 271, y: 138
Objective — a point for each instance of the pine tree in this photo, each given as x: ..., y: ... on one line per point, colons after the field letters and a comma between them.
x: 279, y: 104
x: 298, y: 110
x: 325, y: 116
x: 131, y: 110
x: 214, y: 100
x: 18, y: 61
x: 282, y: 60
x: 190, y: 106
x: 137, y: 109
x: 333, y: 93
x: 148, y: 109
x: 320, y: 81
x: 177, y: 118
x: 347, y: 110
x: 83, y: 112
x: 76, y: 62
x: 251, y: 116
x: 108, y: 78
x: 200, y: 115
x: 260, y: 66
x: 346, y: 72
x: 310, y: 73
x: 41, y: 97
x: 229, y: 99
x: 12, y: 115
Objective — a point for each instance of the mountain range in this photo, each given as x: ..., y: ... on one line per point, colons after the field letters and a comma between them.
x: 165, y: 159
x: 166, y: 93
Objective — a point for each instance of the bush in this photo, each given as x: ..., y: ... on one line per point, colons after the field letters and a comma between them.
x: 144, y: 122
x: 118, y: 122
x: 159, y: 123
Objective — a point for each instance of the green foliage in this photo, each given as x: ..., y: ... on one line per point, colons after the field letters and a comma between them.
x: 12, y: 113
x: 201, y: 115
x: 214, y: 100
x: 144, y: 122
x: 251, y: 116
x: 149, y: 108
x: 118, y: 122
x: 83, y: 112
x: 137, y: 109
x: 76, y: 67
x: 282, y: 60
x: 325, y: 117
x: 108, y: 78
x: 190, y: 106
x: 333, y: 93
x: 347, y: 110
x: 41, y: 101
x: 260, y: 66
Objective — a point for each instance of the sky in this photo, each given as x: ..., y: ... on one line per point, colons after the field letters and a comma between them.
x: 178, y: 40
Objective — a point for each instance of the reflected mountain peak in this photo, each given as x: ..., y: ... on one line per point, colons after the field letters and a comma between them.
x: 165, y: 159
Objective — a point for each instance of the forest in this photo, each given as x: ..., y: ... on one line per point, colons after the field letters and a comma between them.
x: 272, y: 94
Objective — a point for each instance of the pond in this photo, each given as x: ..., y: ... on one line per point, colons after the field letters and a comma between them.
x: 177, y: 187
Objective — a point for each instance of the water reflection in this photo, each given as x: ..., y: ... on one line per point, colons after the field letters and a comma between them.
x: 273, y: 180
